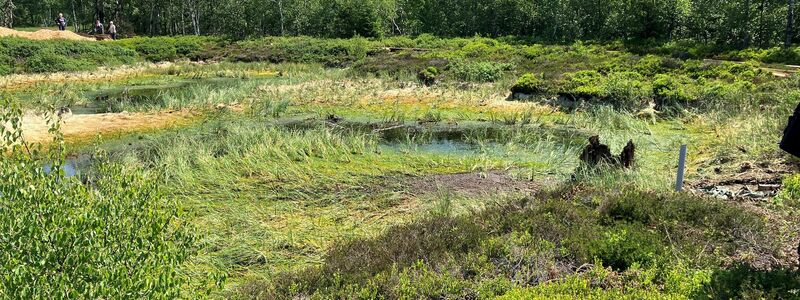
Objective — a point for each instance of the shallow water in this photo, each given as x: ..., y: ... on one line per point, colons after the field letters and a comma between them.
x: 435, y: 147
x: 72, y: 166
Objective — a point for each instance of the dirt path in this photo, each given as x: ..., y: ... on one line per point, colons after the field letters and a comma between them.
x: 84, y: 127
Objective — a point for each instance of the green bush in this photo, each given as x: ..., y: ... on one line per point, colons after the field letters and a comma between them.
x: 329, y: 52
x: 187, y: 47
x: 6, y: 63
x: 478, y: 71
x: 48, y: 61
x: 536, y: 51
x: 627, y: 90
x: 718, y: 94
x: 746, y: 282
x: 790, y: 193
x: 19, y: 55
x: 585, y: 84
x: 528, y: 84
x: 624, y: 90
x: 156, y: 52
x: 167, y: 48
x: 428, y: 76
x: 116, y: 238
x: 781, y: 55
x: 627, y: 245
x: 649, y: 65
x: 671, y: 90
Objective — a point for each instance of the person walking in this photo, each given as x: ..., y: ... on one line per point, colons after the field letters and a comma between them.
x: 98, y: 28
x: 61, y: 21
x: 112, y: 30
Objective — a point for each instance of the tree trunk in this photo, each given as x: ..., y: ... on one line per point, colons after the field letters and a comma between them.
x: 74, y: 17
x: 280, y: 12
x: 746, y: 26
x: 194, y: 16
x: 789, y: 25
x: 119, y: 12
x: 8, y: 14
x: 761, y: 34
x: 99, y: 11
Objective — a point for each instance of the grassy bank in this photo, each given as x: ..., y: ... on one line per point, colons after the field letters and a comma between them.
x: 354, y: 175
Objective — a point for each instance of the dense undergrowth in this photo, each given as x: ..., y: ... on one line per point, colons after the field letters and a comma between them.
x: 588, y: 244
x: 564, y: 75
x: 117, y: 236
x: 64, y: 55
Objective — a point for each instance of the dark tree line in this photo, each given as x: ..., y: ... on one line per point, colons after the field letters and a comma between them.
x: 738, y: 23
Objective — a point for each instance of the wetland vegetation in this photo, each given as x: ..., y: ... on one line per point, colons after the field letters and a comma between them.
x: 394, y: 168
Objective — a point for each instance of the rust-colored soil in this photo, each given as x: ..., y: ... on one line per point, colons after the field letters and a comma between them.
x: 81, y: 127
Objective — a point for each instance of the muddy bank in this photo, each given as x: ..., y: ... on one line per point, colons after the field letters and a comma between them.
x: 472, y: 184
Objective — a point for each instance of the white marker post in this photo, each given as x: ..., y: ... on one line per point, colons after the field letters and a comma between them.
x: 681, y: 169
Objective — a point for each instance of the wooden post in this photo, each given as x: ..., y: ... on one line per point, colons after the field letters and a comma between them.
x: 681, y: 169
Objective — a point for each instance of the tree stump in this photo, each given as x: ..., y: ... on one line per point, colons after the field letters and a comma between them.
x: 597, y: 153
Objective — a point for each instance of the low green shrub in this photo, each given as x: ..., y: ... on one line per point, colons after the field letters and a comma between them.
x: 6, y: 62
x: 485, y: 48
x: 673, y: 90
x: 536, y: 51
x: 637, y: 240
x: 781, y: 55
x: 115, y: 238
x: 483, y: 71
x: 48, y: 61
x: 627, y: 90
x: 167, y: 48
x: 19, y: 55
x: 790, y: 192
x: 428, y: 76
x: 528, y: 84
x: 745, y: 282
x: 624, y: 246
x: 329, y: 52
x: 156, y: 52
x: 718, y: 94
x: 623, y: 90
x: 649, y: 65
x: 585, y: 84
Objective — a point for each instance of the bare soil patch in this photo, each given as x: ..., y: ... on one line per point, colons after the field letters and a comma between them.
x: 43, y: 34
x: 755, y: 182
x: 78, y: 127
x: 471, y: 184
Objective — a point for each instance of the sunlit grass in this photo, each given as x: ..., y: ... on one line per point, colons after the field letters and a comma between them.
x: 269, y: 198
